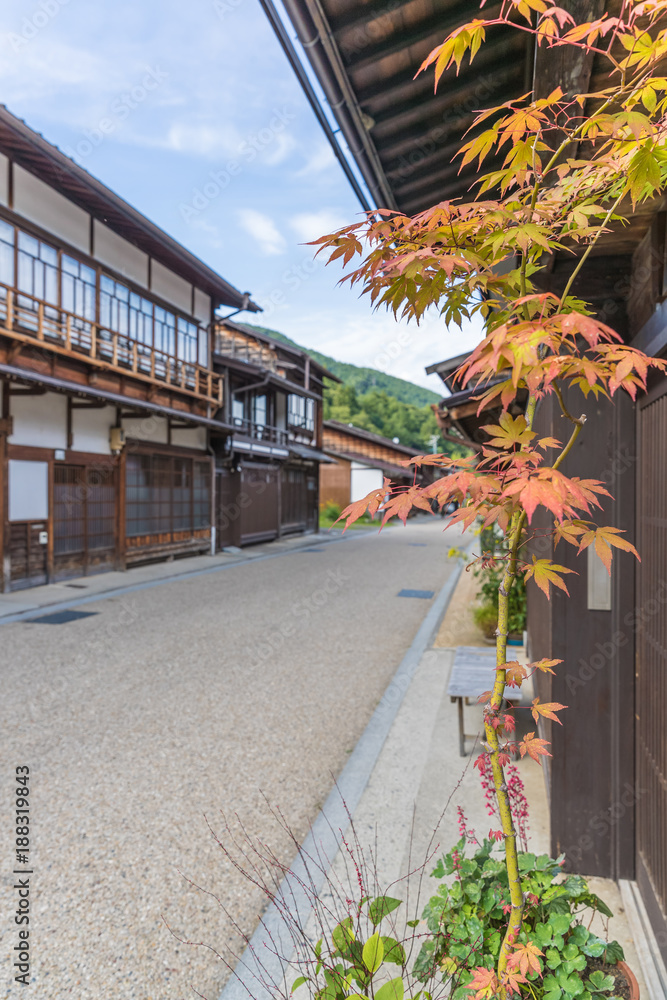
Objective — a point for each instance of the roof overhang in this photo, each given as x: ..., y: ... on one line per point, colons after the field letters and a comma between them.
x: 49, y: 164
x: 113, y: 398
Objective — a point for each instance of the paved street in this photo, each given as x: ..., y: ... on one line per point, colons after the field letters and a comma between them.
x: 169, y: 704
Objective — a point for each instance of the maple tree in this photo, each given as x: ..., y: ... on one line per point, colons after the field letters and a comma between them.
x: 574, y: 166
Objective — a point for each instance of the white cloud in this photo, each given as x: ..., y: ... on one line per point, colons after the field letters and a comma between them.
x: 309, y: 225
x: 263, y: 230
x: 320, y: 159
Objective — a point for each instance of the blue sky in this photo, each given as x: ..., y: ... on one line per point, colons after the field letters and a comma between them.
x: 191, y: 113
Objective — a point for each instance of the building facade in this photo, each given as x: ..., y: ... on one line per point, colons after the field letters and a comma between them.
x: 267, y: 467
x: 108, y: 389
x: 361, y: 462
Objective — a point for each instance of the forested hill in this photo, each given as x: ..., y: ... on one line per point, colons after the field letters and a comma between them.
x: 362, y: 380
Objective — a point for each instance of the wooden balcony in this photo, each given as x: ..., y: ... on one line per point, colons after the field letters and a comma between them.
x: 251, y: 431
x: 27, y: 319
x: 232, y: 345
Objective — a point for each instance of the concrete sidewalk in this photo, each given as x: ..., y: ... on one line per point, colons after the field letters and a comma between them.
x: 20, y: 605
x: 406, y: 816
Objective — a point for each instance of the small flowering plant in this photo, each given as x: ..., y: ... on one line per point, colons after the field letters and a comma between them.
x: 552, y: 953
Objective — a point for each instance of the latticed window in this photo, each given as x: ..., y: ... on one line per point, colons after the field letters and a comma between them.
x: 166, y: 493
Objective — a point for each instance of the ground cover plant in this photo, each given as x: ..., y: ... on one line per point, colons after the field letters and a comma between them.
x: 575, y: 165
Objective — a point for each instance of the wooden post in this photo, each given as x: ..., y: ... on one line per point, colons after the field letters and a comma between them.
x: 115, y: 349
x: 68, y: 332
x: 135, y: 356
x: 10, y: 309
x: 40, y: 321
x: 93, y: 340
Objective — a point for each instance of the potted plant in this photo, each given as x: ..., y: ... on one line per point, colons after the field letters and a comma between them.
x: 484, y: 256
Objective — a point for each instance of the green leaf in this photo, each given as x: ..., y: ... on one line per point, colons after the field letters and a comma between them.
x: 613, y: 953
x: 412, y: 923
x: 552, y: 958
x: 381, y: 907
x: 343, y: 934
x: 373, y: 953
x: 393, y: 951
x: 393, y: 990
x: 598, y: 981
x: 298, y: 982
x: 560, y: 922
x: 572, y: 986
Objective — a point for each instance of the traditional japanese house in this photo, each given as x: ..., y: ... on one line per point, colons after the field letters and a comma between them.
x: 267, y: 468
x: 362, y: 461
x: 108, y: 388
x: 609, y: 817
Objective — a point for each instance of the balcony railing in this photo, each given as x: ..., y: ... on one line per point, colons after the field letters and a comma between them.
x: 241, y: 349
x: 26, y: 318
x: 259, y: 432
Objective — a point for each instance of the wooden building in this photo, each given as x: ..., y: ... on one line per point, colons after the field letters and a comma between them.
x: 108, y: 388
x: 609, y: 815
x: 361, y: 462
x: 267, y: 468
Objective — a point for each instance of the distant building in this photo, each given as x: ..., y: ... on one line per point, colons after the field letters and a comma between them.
x: 362, y: 461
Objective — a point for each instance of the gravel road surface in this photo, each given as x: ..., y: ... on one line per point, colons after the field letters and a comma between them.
x: 166, y: 706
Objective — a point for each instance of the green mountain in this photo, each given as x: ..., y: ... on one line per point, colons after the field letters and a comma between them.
x: 363, y: 380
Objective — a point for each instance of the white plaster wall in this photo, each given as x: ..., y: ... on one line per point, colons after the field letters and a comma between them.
x: 189, y: 437
x: 363, y: 480
x: 171, y: 287
x: 111, y: 249
x: 90, y: 429
x: 202, y: 307
x: 28, y: 490
x: 40, y: 421
x: 4, y: 179
x: 49, y: 209
x: 148, y: 428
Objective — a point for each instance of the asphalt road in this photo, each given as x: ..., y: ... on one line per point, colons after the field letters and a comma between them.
x: 166, y: 706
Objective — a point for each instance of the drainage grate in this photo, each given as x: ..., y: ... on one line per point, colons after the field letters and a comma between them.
x: 426, y: 594
x: 62, y: 617
x: 312, y: 549
x: 77, y: 586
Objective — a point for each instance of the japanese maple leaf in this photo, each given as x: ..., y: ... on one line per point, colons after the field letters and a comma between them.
x: 402, y: 503
x: 533, y: 747
x: 514, y: 673
x: 605, y: 538
x: 485, y: 983
x: 544, y: 572
x: 526, y: 957
x: 371, y: 503
x: 545, y: 665
x: 509, y: 432
x: 547, y: 709
x: 512, y: 981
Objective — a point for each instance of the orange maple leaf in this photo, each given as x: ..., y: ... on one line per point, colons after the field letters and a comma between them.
x: 546, y: 709
x: 371, y: 503
x: 485, y: 983
x: 526, y: 957
x: 544, y: 572
x: 514, y: 673
x: 402, y: 503
x: 533, y: 747
x: 545, y: 665
x: 605, y: 538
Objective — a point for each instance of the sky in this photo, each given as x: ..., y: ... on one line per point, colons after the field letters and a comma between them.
x: 191, y: 113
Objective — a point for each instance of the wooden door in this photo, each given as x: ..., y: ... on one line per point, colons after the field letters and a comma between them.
x: 651, y: 664
x: 227, y: 510
x: 258, y: 501
x: 28, y: 554
x: 84, y: 519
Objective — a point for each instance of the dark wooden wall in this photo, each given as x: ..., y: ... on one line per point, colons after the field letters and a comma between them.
x: 591, y: 774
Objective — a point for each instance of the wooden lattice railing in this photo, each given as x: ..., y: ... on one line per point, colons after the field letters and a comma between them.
x: 29, y: 319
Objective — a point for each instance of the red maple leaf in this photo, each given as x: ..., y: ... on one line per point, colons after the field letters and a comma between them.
x: 526, y: 957
x: 547, y: 709
x: 534, y: 747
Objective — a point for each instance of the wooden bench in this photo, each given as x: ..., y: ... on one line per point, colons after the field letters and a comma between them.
x: 473, y: 673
